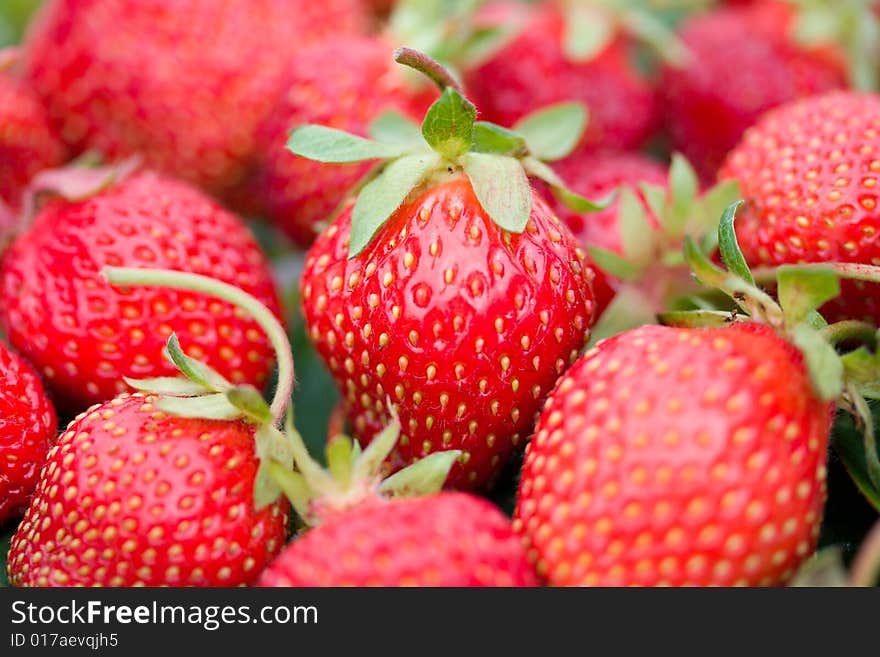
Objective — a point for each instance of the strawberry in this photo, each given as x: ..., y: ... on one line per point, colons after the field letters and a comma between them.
x: 185, y: 84
x: 598, y: 175
x: 165, y: 487
x: 438, y: 539
x: 686, y: 456
x: 449, y: 285
x: 536, y: 68
x: 83, y: 336
x: 752, y: 50
x: 27, y: 142
x: 447, y: 539
x: 133, y: 496
x: 683, y: 455
x: 344, y: 84
x: 808, y: 173
x: 27, y: 431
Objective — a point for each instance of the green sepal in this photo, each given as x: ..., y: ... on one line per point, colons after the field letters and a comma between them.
x: 502, y: 188
x: 589, y: 31
x: 195, y: 370
x: 382, y: 196
x: 684, y: 187
x: 173, y: 386
x: 329, y: 145
x: 731, y: 254
x: 394, y: 128
x: 656, y: 198
x: 636, y: 233
x: 340, y: 459
x: 824, y: 569
x: 628, y: 310
x: 695, y: 318
x: 208, y: 407
x: 647, y: 27
x: 424, y: 477
x: 292, y: 484
x: 449, y: 124
x: 491, y: 138
x: 823, y: 364
x: 250, y: 402
x: 553, y: 132
x: 803, y: 290
x: 370, y: 460
x: 270, y: 446
x: 576, y: 202
x: 862, y: 369
x: 616, y: 265
x: 862, y: 413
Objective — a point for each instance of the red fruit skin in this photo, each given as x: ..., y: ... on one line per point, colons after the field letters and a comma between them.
x: 185, y: 84
x: 84, y: 336
x: 449, y: 539
x: 27, y: 142
x: 27, y: 431
x: 465, y: 327
x: 532, y: 71
x: 677, y: 457
x: 808, y: 172
x: 749, y: 49
x: 596, y: 175
x: 340, y: 84
x: 133, y: 497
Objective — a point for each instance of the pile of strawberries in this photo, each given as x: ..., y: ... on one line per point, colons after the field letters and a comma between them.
x: 623, y: 257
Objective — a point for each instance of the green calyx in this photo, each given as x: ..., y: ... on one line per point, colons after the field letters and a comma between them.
x: 592, y: 25
x: 202, y: 392
x: 496, y: 160
x: 354, y: 475
x: 849, y: 379
x: 850, y: 25
x: 651, y: 269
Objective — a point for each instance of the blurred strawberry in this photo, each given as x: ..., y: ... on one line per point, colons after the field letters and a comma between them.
x: 183, y: 83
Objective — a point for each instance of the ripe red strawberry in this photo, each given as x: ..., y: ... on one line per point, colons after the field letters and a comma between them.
x: 84, y: 336
x: 447, y: 539
x: 27, y: 141
x: 533, y: 70
x: 749, y: 49
x: 185, y: 83
x: 677, y: 456
x: 464, y: 325
x: 597, y: 175
x: 132, y: 496
x: 27, y: 431
x: 809, y: 171
x: 342, y: 84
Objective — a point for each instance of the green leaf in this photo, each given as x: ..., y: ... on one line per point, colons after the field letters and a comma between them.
x: 731, y: 254
x: 589, y: 30
x: 576, y: 202
x: 208, y: 407
x: 637, y: 236
x: 381, y: 197
x: 424, y: 477
x: 684, y: 186
x: 174, y: 386
x: 502, y: 188
x: 250, y: 402
x: 553, y: 132
x: 491, y: 138
x: 195, y: 370
x: 802, y: 290
x: 323, y: 144
x: 628, y: 310
x: 394, y: 128
x: 615, y: 264
x: 823, y: 363
x: 449, y: 124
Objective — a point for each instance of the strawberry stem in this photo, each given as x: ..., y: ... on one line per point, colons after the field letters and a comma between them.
x: 178, y: 280
x: 438, y: 73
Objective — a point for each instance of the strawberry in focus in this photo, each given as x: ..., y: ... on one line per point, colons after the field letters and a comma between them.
x: 27, y: 431
x: 83, y: 336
